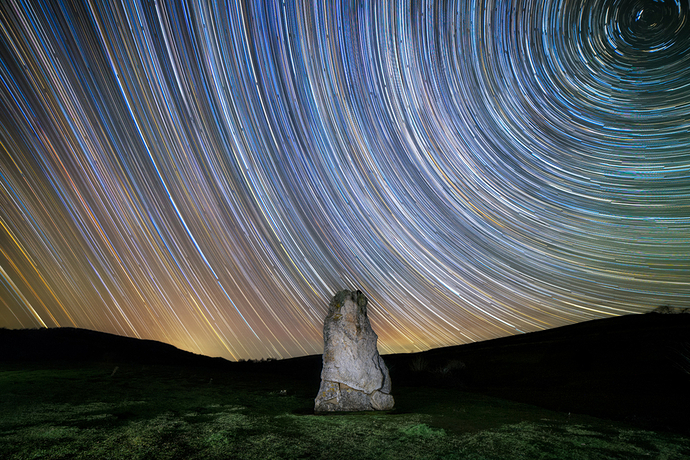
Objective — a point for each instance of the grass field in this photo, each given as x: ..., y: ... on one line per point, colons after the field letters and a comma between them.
x: 164, y: 412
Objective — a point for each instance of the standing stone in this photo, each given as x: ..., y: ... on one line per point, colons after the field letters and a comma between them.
x: 354, y: 376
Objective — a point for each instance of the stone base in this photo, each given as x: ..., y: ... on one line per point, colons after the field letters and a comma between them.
x: 334, y: 397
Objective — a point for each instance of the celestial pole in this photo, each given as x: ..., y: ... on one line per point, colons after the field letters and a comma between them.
x: 211, y: 174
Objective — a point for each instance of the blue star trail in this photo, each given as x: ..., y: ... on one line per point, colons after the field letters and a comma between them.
x: 209, y: 175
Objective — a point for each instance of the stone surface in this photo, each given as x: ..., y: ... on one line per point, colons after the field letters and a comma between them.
x: 354, y: 376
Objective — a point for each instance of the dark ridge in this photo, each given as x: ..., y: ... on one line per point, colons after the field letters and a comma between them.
x: 633, y: 368
x: 68, y: 344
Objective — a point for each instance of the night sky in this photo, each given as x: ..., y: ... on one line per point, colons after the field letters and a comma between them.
x: 209, y: 176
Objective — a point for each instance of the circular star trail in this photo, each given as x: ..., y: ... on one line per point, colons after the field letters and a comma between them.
x: 209, y: 175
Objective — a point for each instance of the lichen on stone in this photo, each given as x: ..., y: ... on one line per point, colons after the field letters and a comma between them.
x: 354, y: 376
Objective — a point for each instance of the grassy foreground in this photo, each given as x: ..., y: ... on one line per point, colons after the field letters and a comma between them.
x: 152, y: 412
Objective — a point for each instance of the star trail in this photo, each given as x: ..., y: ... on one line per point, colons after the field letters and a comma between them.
x: 210, y: 175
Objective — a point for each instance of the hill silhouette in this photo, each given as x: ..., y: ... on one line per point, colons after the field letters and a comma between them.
x: 633, y: 368
x: 68, y: 344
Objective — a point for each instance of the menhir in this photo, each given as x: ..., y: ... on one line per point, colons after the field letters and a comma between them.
x: 354, y: 376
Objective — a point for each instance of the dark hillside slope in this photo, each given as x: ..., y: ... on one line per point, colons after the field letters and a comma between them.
x: 68, y: 344
x: 634, y: 368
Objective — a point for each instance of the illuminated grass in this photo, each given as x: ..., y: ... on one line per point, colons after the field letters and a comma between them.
x: 167, y: 413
